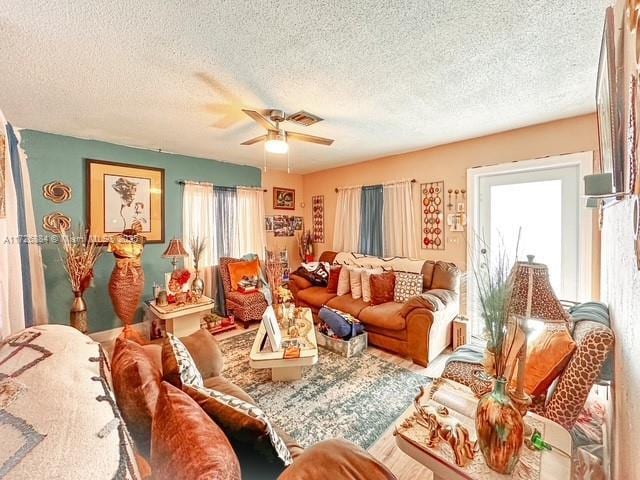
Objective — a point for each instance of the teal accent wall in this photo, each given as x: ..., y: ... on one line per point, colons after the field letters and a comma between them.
x: 57, y: 157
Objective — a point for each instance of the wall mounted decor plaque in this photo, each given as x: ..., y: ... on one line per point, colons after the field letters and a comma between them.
x: 122, y: 196
x: 56, y: 222
x: 433, y: 225
x: 56, y: 191
x: 284, y: 198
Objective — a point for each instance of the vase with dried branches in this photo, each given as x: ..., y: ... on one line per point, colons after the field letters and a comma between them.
x: 197, y: 245
x: 499, y: 424
x: 79, y: 255
x: 305, y: 246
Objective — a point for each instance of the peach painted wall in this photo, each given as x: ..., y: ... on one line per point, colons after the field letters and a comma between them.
x: 276, y: 178
x: 450, y: 163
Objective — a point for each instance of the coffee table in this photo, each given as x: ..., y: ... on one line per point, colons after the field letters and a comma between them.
x: 287, y: 369
x: 545, y: 465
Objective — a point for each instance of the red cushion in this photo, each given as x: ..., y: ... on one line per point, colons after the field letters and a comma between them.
x: 382, y: 287
x: 334, y: 275
x: 136, y: 383
x: 186, y: 443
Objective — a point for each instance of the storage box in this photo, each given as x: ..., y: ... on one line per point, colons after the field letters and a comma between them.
x: 346, y: 348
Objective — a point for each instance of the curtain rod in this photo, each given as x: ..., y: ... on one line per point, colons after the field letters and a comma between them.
x: 208, y: 184
x: 413, y: 180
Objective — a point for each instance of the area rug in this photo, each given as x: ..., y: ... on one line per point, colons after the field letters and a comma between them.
x: 355, y: 398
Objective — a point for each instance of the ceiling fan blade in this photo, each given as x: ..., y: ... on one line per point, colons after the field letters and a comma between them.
x: 260, y: 120
x: 254, y: 140
x: 303, y: 137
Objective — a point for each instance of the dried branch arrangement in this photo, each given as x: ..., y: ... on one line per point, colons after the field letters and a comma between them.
x: 79, y: 255
x: 197, y: 245
x: 494, y: 287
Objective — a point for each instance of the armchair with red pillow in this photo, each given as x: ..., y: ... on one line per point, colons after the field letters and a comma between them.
x: 246, y: 306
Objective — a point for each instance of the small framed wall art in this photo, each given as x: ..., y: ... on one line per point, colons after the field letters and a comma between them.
x: 284, y: 198
x: 432, y: 195
x: 122, y: 196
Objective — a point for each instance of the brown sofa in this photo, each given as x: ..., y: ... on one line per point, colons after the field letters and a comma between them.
x: 419, y: 328
x: 174, y: 438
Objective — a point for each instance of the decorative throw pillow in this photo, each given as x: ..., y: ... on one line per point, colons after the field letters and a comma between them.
x: 408, y: 285
x: 366, y: 282
x: 178, y: 367
x: 547, y: 355
x: 186, y: 443
x: 344, y: 285
x: 334, y: 275
x: 355, y: 282
x: 246, y: 270
x: 382, y: 287
x: 241, y: 421
x: 136, y: 383
x: 316, y: 272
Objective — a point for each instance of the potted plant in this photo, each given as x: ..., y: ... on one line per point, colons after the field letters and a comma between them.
x: 305, y: 246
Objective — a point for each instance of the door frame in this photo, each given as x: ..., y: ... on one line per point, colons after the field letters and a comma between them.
x: 584, y: 162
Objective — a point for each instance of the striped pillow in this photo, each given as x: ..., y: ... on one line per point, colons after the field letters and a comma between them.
x: 178, y: 367
x: 240, y: 420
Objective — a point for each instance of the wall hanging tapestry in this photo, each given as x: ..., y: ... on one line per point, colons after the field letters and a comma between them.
x: 317, y: 218
x: 284, y: 198
x: 121, y: 197
x: 432, y: 215
x: 56, y: 191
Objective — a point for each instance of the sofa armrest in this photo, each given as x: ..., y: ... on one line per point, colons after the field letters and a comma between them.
x: 595, y: 341
x: 336, y: 459
x: 299, y: 281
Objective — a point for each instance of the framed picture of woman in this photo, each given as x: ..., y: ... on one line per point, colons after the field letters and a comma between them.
x: 122, y: 196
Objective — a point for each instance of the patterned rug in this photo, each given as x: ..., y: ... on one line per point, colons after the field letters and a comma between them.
x: 354, y: 398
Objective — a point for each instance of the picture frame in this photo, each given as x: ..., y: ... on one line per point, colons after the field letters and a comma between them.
x: 284, y: 198
x: 608, y: 107
x: 122, y: 196
x: 268, y: 223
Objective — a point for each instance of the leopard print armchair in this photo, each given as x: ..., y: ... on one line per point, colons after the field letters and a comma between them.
x: 564, y: 402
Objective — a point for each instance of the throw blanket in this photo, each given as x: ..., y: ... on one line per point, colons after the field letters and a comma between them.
x: 469, y: 353
x: 57, y: 410
x: 396, y: 264
x: 595, y: 312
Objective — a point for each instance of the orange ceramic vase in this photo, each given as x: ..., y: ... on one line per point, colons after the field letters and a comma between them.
x: 500, y: 429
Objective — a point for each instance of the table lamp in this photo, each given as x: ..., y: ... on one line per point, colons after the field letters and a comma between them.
x: 532, y: 297
x: 174, y: 251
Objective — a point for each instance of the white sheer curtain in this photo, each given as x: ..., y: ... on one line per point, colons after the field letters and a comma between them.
x: 346, y: 228
x: 23, y: 301
x: 197, y: 220
x: 398, y: 221
x: 251, y: 233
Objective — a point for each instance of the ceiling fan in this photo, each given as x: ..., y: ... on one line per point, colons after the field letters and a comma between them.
x: 276, y: 138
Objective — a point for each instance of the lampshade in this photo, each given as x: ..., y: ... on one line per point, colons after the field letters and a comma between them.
x: 532, y: 295
x: 175, y: 249
x: 276, y: 142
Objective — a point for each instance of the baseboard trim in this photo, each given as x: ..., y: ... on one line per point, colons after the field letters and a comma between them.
x: 106, y: 336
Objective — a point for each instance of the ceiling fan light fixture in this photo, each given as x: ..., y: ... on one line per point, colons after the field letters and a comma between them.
x: 276, y: 143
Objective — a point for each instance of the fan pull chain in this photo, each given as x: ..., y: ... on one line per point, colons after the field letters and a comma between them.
x: 264, y: 156
x: 289, y: 160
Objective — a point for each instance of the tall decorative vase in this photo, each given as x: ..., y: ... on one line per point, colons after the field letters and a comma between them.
x: 78, y: 313
x: 500, y: 429
x: 197, y: 285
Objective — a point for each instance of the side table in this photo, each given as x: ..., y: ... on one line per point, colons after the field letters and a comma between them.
x: 544, y: 465
x: 182, y: 320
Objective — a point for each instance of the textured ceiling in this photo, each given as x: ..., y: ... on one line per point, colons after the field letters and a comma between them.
x: 387, y: 77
